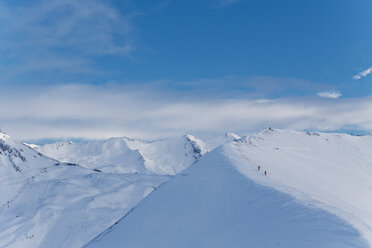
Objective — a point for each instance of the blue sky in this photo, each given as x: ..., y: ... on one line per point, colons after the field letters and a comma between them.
x: 175, y: 55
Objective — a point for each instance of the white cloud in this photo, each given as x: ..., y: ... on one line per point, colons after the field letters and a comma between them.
x: 64, y: 36
x: 330, y: 94
x: 90, y: 27
x: 362, y: 73
x: 103, y: 111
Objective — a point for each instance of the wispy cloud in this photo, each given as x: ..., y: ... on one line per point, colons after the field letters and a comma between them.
x: 362, y: 73
x: 112, y: 110
x: 330, y: 94
x: 255, y: 86
x: 61, y: 35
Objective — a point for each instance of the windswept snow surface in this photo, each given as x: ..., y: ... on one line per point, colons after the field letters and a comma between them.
x: 45, y: 203
x: 124, y: 155
x: 317, y: 193
x: 329, y: 171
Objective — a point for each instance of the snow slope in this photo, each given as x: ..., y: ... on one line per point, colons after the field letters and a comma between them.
x: 317, y: 194
x: 45, y: 203
x: 124, y: 155
x: 329, y: 171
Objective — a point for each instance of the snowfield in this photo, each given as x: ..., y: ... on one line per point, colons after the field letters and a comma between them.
x: 125, y: 155
x: 317, y: 193
x: 328, y: 171
x: 47, y: 203
x: 123, y: 193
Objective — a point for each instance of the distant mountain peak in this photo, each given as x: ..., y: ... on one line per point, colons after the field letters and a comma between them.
x: 232, y: 136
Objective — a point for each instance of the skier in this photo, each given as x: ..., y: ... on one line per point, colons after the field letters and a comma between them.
x: 259, y: 168
x: 265, y: 173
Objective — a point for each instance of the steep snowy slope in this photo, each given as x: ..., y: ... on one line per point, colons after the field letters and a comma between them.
x: 45, y: 203
x: 330, y: 171
x: 124, y: 155
x: 317, y: 193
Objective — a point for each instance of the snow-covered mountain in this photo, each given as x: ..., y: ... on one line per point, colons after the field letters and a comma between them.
x: 317, y: 193
x: 46, y: 203
x: 124, y: 155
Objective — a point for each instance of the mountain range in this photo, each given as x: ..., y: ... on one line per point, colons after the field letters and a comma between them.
x: 276, y: 188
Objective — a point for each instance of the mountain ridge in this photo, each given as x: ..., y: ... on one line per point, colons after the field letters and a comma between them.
x: 299, y: 165
x: 310, y: 175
